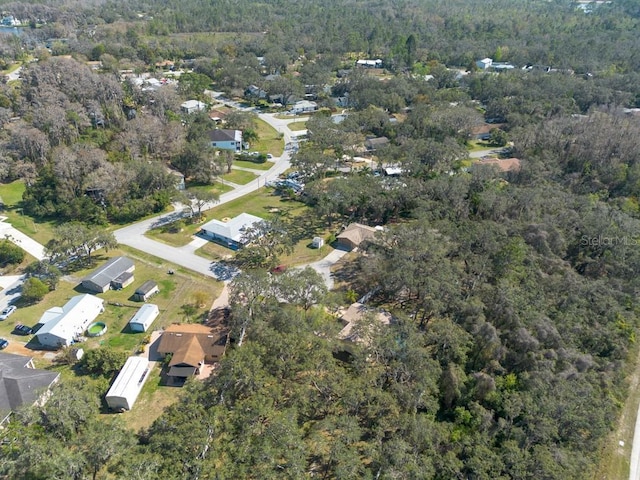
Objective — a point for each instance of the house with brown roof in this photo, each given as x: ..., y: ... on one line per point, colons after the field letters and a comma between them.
x: 356, y: 314
x: 354, y: 235
x: 504, y: 164
x: 191, y: 347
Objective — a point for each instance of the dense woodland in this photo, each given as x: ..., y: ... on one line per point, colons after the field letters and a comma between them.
x: 515, y: 294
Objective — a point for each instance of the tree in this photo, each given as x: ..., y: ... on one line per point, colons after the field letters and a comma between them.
x: 75, y: 242
x: 10, y: 254
x: 103, y: 361
x: 45, y: 271
x: 33, y: 290
x: 264, y: 242
x: 301, y: 287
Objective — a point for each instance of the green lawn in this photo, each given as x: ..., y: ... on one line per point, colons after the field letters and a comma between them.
x: 476, y: 145
x: 240, y: 177
x: 269, y: 140
x: 11, y: 195
x: 218, y: 188
x: 253, y: 165
x: 175, y: 291
x: 296, y: 126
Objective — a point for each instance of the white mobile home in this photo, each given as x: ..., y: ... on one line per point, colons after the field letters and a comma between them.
x: 62, y: 326
x: 127, y: 386
x: 144, y: 318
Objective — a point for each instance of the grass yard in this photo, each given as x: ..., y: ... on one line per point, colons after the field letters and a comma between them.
x: 11, y: 195
x: 151, y: 402
x: 477, y: 145
x: 218, y: 188
x: 253, y: 165
x: 269, y: 140
x: 175, y: 291
x: 214, y: 252
x: 239, y: 177
x: 296, y: 126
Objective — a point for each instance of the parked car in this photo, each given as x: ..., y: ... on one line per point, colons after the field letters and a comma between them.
x: 7, y: 311
x: 4, y: 343
x: 21, y: 329
x: 269, y: 156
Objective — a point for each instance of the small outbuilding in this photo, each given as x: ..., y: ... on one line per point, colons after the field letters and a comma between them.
x: 145, y: 291
x: 144, y: 317
x: 317, y: 242
x: 127, y: 386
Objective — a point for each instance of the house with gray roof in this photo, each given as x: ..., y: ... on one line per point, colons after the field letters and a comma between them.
x: 225, y: 139
x: 21, y: 383
x: 116, y: 273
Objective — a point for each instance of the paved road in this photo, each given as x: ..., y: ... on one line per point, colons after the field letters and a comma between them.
x: 133, y: 235
x: 20, y: 239
x: 634, y: 462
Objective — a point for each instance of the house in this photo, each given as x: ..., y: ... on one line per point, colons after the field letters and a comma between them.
x: 483, y: 131
x: 377, y: 63
x: 304, y: 106
x: 192, y: 106
x: 116, y: 273
x: 127, y: 386
x: 226, y: 139
x: 144, y: 317
x: 504, y: 164
x: 229, y: 233
x: 22, y: 384
x: 191, y: 346
x: 145, y: 291
x: 354, y: 315
x: 354, y: 235
x: 62, y: 326
x: 392, y: 171
x: 255, y: 92
x: 373, y: 144
x: 484, y: 64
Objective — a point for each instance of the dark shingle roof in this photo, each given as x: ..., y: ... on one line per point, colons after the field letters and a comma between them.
x: 109, y: 271
x: 20, y: 385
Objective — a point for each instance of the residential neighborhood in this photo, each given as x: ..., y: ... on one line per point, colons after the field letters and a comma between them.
x: 302, y: 240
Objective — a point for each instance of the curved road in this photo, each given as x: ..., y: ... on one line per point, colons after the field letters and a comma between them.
x: 133, y: 235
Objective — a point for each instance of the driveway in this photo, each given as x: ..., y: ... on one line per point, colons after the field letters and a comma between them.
x: 11, y: 289
x: 20, y: 239
x: 323, y: 267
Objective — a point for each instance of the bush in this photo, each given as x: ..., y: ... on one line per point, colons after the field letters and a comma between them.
x: 102, y: 361
x: 34, y: 290
x: 10, y: 254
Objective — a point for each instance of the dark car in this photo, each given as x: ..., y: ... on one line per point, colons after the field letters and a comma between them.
x: 3, y: 343
x: 20, y: 329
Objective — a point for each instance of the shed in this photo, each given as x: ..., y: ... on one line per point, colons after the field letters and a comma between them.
x: 317, y: 242
x: 145, y: 291
x: 127, y: 386
x: 144, y: 317
x: 122, y: 280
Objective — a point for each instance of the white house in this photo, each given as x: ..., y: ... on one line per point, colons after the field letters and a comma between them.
x: 191, y: 106
x: 226, y: 139
x: 144, y: 317
x: 377, y: 63
x: 484, y: 64
x: 304, y: 106
x: 62, y: 326
x: 230, y: 233
x: 127, y: 386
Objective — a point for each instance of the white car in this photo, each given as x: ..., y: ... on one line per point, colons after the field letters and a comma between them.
x: 7, y: 311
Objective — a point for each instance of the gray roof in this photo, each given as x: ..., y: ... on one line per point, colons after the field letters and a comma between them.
x: 109, y: 271
x: 146, y: 287
x: 222, y: 135
x: 20, y: 385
